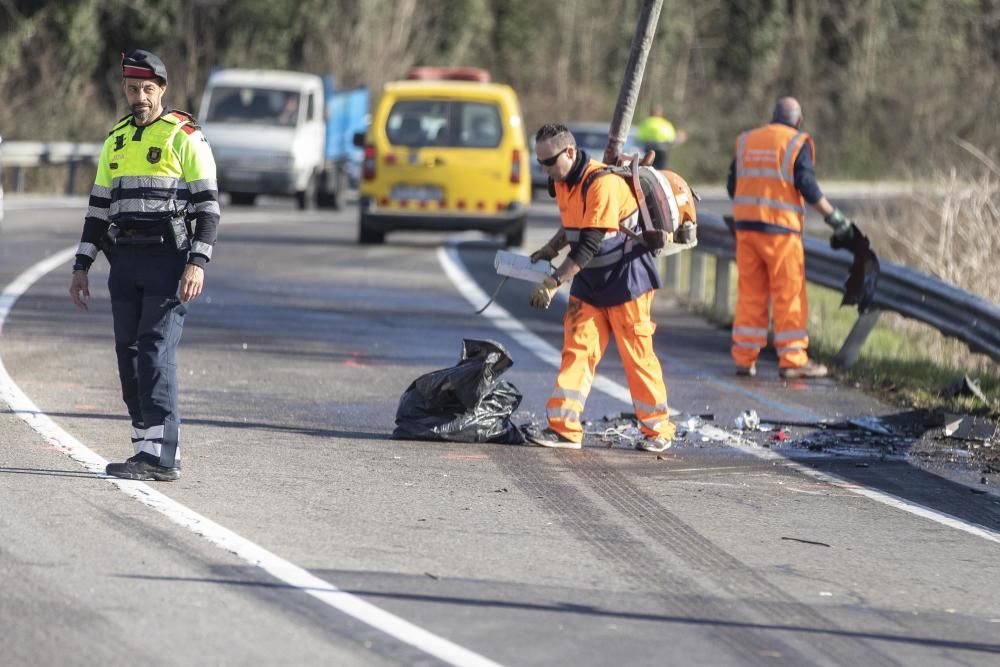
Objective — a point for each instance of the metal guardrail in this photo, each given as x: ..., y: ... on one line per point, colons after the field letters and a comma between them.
x: 20, y: 155
x: 903, y: 290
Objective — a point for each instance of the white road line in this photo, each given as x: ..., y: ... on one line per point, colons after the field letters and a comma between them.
x: 459, y: 275
x: 274, y: 565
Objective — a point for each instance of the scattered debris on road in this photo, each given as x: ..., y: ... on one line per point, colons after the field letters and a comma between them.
x: 797, y: 539
x: 966, y: 427
x: 748, y: 421
x: 965, y: 387
x: 934, y: 438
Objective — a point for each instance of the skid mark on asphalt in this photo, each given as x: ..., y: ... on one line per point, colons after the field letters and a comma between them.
x: 635, y: 561
x: 763, y: 599
x: 503, y: 320
x: 285, y: 571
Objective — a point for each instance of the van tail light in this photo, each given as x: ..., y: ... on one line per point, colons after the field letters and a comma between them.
x: 515, y: 167
x: 368, y: 166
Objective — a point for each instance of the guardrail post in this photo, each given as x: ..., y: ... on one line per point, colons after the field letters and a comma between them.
x: 849, y: 352
x: 18, y: 179
x: 670, y: 270
x: 722, y: 305
x: 696, y: 286
x: 71, y: 177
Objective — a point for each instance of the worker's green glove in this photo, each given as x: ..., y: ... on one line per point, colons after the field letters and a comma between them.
x: 842, y: 229
x: 837, y: 220
x: 541, y: 298
x: 546, y: 252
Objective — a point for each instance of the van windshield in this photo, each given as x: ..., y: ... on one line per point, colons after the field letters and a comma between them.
x: 445, y: 123
x: 253, y: 106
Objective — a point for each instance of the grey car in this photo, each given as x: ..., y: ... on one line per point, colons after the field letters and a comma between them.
x: 591, y: 137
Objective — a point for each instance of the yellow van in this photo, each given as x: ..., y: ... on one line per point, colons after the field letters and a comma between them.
x: 445, y: 151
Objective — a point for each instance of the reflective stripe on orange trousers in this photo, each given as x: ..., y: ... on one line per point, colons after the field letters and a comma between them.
x: 586, y: 332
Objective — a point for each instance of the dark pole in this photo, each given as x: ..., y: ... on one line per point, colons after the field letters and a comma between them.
x: 649, y: 16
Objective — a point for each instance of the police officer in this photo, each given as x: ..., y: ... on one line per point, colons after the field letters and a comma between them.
x: 155, y: 181
x: 613, y: 279
x: 771, y: 179
x: 659, y: 135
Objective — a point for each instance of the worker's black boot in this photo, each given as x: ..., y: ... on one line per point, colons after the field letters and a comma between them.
x: 143, y: 467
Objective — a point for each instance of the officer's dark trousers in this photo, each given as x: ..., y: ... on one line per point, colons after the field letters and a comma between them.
x: 148, y: 320
x: 662, y: 157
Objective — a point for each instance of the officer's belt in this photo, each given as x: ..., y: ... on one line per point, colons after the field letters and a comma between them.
x: 142, y: 232
x: 139, y: 238
x: 141, y: 225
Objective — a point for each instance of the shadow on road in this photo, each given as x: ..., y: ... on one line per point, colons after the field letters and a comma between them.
x: 239, y: 425
x: 416, y: 581
x: 79, y: 474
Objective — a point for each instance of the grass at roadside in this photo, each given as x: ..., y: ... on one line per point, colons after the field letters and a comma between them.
x: 897, y: 359
x: 901, y: 360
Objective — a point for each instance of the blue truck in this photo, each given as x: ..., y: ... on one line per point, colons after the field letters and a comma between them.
x: 283, y: 133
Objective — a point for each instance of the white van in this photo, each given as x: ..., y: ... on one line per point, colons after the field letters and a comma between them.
x: 281, y: 133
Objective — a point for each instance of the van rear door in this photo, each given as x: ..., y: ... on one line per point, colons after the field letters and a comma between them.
x: 448, y: 154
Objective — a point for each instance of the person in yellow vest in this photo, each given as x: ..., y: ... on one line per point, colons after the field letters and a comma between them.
x: 771, y: 179
x: 155, y: 181
x: 659, y: 135
x: 613, y: 279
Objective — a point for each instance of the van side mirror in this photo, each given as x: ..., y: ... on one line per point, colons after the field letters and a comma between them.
x: 359, y: 139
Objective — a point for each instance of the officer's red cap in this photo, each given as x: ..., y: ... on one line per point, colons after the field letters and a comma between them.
x: 139, y: 64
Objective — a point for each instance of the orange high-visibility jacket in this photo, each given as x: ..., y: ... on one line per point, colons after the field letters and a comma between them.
x: 765, y: 180
x: 605, y: 211
x: 621, y: 270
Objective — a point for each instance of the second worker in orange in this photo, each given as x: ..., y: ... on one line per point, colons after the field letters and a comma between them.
x: 770, y: 181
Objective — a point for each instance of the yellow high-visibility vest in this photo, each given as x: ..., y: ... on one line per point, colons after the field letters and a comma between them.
x: 153, y: 170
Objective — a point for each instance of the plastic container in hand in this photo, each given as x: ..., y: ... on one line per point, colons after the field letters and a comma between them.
x: 521, y: 267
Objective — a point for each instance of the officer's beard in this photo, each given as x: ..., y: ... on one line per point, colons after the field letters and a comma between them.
x: 142, y: 113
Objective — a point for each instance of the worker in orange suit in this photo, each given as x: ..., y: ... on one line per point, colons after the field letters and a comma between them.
x: 771, y: 179
x: 613, y: 279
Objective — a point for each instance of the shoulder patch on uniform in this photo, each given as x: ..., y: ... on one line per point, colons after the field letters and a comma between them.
x: 182, y: 115
x: 188, y: 128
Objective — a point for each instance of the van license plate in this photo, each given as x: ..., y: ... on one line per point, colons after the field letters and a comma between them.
x: 415, y: 193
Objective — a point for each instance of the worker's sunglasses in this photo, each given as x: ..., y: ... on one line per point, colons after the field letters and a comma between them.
x: 549, y: 161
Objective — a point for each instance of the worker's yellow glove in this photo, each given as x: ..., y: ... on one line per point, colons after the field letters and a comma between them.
x: 541, y: 298
x: 546, y: 252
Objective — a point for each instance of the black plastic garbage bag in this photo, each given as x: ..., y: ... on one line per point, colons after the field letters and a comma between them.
x: 464, y: 403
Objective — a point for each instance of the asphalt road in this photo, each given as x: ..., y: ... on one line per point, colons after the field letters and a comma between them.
x: 300, y: 533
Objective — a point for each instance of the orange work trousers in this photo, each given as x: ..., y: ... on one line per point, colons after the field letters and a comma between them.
x: 771, y: 266
x: 586, y: 332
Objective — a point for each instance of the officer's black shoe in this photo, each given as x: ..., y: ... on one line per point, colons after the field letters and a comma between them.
x: 142, y: 467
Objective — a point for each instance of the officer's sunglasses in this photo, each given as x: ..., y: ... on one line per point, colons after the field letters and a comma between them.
x: 549, y: 161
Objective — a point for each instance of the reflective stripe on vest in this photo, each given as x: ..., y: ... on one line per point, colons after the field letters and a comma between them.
x: 765, y: 177
x: 613, y: 247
